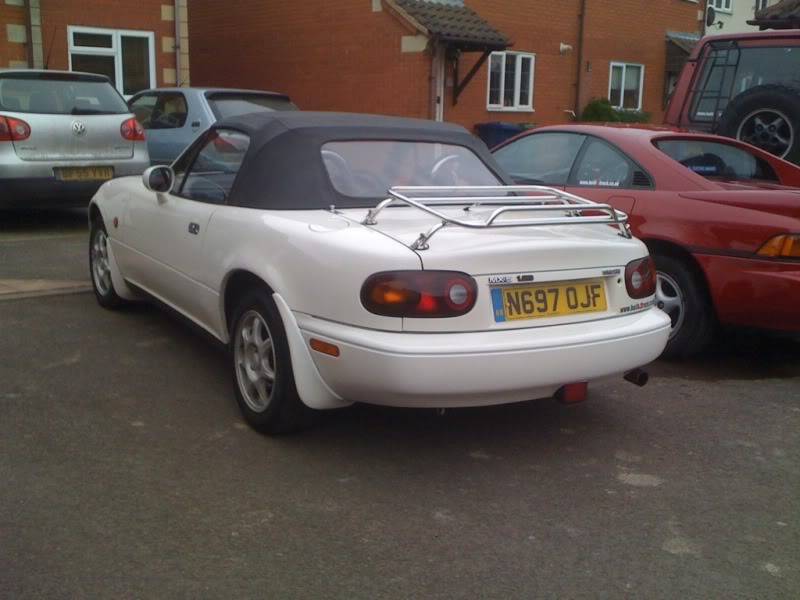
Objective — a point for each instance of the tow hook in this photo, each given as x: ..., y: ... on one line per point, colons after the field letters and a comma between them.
x: 637, y: 377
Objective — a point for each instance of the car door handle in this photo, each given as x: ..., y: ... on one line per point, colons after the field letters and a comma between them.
x: 195, y: 124
x: 194, y: 228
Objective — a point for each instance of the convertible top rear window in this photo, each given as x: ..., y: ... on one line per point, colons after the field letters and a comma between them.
x: 717, y: 159
x: 368, y: 168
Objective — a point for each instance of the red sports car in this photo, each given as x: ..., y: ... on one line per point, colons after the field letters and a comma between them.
x: 721, y: 217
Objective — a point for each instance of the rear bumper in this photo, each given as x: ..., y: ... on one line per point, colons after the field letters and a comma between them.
x: 32, y: 184
x: 762, y: 294
x: 473, y: 369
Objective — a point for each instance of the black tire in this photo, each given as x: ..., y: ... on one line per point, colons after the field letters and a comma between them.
x: 696, y: 329
x: 101, y: 283
x: 773, y: 102
x: 284, y: 411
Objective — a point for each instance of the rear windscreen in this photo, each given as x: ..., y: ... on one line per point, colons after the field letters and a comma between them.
x: 59, y: 95
x: 717, y: 160
x: 233, y: 105
x: 367, y: 169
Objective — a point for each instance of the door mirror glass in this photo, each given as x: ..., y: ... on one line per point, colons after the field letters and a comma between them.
x: 159, y: 179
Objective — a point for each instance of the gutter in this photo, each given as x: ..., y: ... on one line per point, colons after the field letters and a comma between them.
x: 177, y: 43
x: 579, y: 73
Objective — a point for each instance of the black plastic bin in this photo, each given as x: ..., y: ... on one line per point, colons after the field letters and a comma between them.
x: 498, y: 132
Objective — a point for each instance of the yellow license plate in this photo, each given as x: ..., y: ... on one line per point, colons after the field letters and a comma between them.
x: 554, y: 299
x: 85, y: 173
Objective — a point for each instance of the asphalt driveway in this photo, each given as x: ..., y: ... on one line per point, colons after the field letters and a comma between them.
x: 126, y: 472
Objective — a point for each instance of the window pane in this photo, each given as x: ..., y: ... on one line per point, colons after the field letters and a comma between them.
x: 633, y: 75
x: 367, y: 169
x: 525, y: 81
x: 495, y: 75
x: 225, y: 105
x: 94, y: 40
x: 58, y: 93
x: 603, y: 166
x: 716, y: 159
x: 511, y: 70
x: 142, y: 109
x: 615, y: 95
x: 170, y: 112
x: 102, y: 65
x: 211, y: 177
x: 542, y: 158
x: 135, y: 64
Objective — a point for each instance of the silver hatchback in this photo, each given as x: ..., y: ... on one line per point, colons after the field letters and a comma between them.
x: 62, y: 134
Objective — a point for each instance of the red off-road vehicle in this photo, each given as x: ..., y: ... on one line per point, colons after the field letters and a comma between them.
x: 745, y: 86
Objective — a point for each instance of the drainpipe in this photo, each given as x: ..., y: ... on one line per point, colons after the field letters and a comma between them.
x: 177, y: 43
x: 581, y: 43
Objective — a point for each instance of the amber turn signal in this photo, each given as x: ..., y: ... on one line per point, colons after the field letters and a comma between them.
x: 324, y: 347
x: 781, y: 246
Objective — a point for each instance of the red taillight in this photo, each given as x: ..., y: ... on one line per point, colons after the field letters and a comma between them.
x: 640, y: 277
x: 419, y: 294
x: 132, y: 131
x: 13, y: 130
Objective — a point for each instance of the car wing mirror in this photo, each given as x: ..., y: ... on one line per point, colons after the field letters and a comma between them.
x: 159, y: 179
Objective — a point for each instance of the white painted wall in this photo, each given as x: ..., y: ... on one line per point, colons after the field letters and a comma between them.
x: 735, y: 19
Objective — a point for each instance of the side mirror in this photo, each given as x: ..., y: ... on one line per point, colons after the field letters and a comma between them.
x: 159, y: 179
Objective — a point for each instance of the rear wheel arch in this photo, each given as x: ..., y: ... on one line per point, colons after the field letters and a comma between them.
x: 236, y: 285
x: 665, y: 248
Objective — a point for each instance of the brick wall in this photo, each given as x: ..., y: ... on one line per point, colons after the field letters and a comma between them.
x: 345, y: 56
x: 142, y: 15
x: 13, y: 24
x: 326, y: 55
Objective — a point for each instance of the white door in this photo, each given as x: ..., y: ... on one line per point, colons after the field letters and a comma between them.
x: 167, y: 231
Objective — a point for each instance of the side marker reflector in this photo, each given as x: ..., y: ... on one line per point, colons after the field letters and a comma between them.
x: 324, y: 347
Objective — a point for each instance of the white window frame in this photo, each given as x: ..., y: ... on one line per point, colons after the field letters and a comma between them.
x: 622, y: 91
x: 115, y: 50
x: 517, y: 107
x: 725, y: 6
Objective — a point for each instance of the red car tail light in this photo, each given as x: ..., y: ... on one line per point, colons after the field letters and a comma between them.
x: 13, y: 130
x: 419, y: 294
x: 640, y: 277
x: 781, y: 246
x: 131, y: 130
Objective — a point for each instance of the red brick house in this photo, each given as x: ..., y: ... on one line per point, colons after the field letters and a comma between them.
x: 138, y: 44
x: 465, y: 61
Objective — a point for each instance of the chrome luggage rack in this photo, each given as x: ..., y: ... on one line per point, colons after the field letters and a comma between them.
x: 507, y: 198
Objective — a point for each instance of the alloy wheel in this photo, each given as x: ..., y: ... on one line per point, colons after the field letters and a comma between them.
x: 670, y: 299
x: 768, y: 129
x: 101, y: 271
x: 254, y: 359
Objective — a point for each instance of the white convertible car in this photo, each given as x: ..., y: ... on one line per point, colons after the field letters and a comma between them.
x: 354, y: 258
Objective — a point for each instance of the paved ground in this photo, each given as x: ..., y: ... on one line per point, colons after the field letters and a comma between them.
x: 126, y: 472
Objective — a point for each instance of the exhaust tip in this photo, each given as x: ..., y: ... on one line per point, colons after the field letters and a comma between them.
x: 637, y: 377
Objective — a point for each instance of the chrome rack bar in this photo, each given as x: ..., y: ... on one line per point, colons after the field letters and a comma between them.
x: 525, y: 198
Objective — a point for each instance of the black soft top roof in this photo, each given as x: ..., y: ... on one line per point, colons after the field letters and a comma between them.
x: 283, y: 167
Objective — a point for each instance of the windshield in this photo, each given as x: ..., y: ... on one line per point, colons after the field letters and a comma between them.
x: 717, y: 160
x: 232, y: 105
x: 367, y: 169
x: 59, y: 95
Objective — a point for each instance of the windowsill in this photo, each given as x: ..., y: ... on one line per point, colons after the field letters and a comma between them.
x: 516, y: 110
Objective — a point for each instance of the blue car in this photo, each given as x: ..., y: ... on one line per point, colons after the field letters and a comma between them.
x: 174, y: 117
